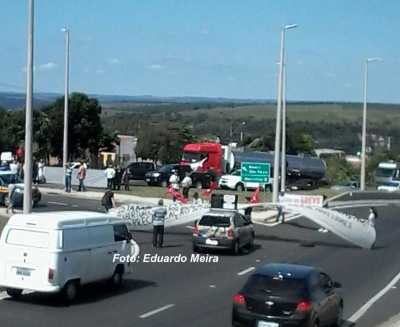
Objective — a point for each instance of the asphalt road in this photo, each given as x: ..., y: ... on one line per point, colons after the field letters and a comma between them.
x: 200, y: 294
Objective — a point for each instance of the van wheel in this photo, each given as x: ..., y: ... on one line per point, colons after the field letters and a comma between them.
x: 14, y: 293
x: 116, y: 279
x: 69, y: 291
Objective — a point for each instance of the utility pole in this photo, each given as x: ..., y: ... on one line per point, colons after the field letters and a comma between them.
x: 66, y: 96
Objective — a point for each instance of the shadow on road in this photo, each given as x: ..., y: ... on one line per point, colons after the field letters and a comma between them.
x: 88, y: 294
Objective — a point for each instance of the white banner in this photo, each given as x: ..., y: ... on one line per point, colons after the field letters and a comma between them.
x: 303, y: 200
x: 141, y: 218
x: 355, y: 230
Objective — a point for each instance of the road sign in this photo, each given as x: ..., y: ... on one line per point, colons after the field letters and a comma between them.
x: 255, y: 172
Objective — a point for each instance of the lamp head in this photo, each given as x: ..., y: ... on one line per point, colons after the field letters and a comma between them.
x: 373, y: 59
x: 64, y: 30
x: 287, y: 27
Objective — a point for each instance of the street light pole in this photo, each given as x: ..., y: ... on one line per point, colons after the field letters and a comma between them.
x: 279, y: 117
x: 27, y: 205
x: 283, y: 162
x: 66, y: 93
x: 364, y: 126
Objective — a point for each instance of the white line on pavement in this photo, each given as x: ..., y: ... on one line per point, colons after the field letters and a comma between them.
x: 75, y: 205
x: 58, y: 203
x: 190, y: 227
x: 153, y: 312
x: 243, y: 272
x: 360, y: 312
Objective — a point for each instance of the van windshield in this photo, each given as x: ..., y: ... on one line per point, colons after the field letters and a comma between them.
x: 28, y: 238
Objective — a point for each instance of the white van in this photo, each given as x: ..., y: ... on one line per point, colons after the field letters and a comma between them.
x: 59, y: 251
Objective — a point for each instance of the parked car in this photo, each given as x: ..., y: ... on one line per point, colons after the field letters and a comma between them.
x: 140, y: 169
x: 161, y: 176
x: 5, y: 179
x: 57, y: 252
x: 288, y: 295
x: 223, y: 229
x: 233, y: 182
x: 346, y: 186
x: 390, y: 187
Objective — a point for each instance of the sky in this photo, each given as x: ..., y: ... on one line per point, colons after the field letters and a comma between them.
x: 211, y: 48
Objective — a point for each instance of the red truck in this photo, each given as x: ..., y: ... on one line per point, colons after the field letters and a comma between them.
x: 204, y: 157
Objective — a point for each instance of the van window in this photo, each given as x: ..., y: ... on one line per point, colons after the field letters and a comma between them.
x: 28, y: 238
x: 100, y: 235
x: 120, y: 233
x: 75, y: 238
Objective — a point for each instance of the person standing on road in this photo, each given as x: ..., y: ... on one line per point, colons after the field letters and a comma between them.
x: 186, y: 184
x: 159, y: 214
x: 68, y: 178
x: 281, y: 213
x: 126, y: 176
x: 117, y: 178
x: 41, y: 178
x: 110, y: 174
x: 326, y: 206
x: 108, y: 201
x: 372, y: 216
x: 14, y: 167
x: 174, y: 181
x: 81, y: 177
x: 11, y: 198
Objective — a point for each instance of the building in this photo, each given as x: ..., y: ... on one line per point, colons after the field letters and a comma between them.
x: 126, y: 149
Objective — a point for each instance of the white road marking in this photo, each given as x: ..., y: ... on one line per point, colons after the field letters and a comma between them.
x: 360, y: 312
x: 243, y: 272
x: 58, y: 203
x: 75, y: 205
x: 190, y: 227
x: 153, y: 312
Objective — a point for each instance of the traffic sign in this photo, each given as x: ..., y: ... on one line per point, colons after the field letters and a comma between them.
x: 255, y: 172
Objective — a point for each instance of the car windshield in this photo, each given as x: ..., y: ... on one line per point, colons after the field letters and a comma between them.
x: 277, y: 286
x: 218, y: 221
x: 191, y: 157
x: 236, y: 173
x: 167, y: 168
x: 384, y: 172
x: 10, y: 178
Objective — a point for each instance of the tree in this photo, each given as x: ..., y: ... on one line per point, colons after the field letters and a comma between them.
x: 339, y: 170
x: 295, y: 143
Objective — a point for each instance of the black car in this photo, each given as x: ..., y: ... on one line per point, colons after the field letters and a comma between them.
x: 283, y: 295
x: 161, y: 176
x: 5, y: 178
x: 140, y: 169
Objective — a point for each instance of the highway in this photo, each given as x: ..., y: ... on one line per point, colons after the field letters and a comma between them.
x: 200, y: 294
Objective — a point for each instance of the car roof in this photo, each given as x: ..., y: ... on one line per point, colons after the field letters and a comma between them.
x: 62, y: 219
x: 285, y: 269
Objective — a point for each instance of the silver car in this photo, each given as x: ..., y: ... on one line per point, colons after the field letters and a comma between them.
x: 223, y: 229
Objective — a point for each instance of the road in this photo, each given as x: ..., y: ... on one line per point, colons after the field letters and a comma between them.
x: 200, y: 294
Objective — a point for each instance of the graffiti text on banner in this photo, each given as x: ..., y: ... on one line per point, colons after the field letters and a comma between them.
x: 139, y: 216
x: 306, y: 200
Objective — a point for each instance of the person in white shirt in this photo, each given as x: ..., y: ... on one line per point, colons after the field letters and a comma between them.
x: 110, y: 174
x: 41, y: 171
x: 372, y: 216
x: 174, y: 181
x: 186, y: 184
x: 196, y: 199
x: 281, y: 213
x: 14, y: 167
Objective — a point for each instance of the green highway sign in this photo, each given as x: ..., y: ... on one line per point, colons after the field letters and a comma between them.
x: 255, y: 172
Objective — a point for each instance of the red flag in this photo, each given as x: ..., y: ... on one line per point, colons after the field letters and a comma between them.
x: 213, y: 186
x: 255, y: 198
x: 177, y: 195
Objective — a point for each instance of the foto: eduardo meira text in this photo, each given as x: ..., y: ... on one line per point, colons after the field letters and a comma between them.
x: 166, y: 258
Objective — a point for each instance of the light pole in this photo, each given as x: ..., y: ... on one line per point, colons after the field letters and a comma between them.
x: 364, y: 126
x: 283, y: 160
x: 231, y: 132
x: 279, y: 115
x: 66, y: 92
x: 27, y: 205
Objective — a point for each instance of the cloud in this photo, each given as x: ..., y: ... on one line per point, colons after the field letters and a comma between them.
x: 42, y: 68
x: 331, y: 75
x: 155, y: 67
x: 115, y: 61
x: 348, y: 85
x: 100, y: 71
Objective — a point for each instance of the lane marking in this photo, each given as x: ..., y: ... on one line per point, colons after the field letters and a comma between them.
x: 75, y: 205
x: 243, y: 272
x: 190, y: 227
x: 360, y: 312
x: 153, y: 312
x: 58, y: 203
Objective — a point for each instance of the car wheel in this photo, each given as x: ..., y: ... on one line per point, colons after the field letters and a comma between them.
x: 164, y: 184
x: 14, y: 293
x: 116, y: 279
x: 70, y: 291
x: 251, y: 242
x: 239, y: 187
x: 4, y: 200
x: 339, y: 317
x: 235, y: 248
x: 199, y: 185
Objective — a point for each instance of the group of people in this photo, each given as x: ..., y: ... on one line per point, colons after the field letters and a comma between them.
x: 81, y: 175
x: 175, y: 182
x: 18, y: 168
x: 115, y: 175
